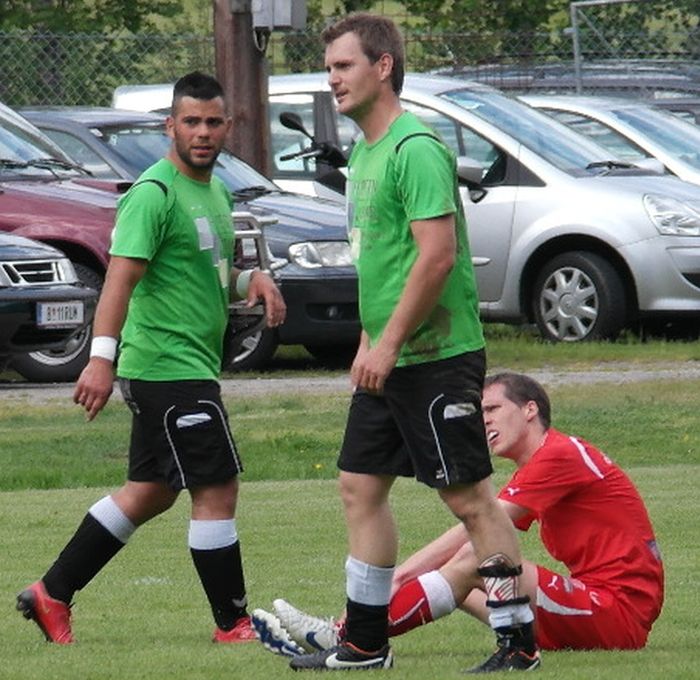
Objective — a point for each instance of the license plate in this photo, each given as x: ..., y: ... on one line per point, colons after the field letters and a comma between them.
x: 59, y: 314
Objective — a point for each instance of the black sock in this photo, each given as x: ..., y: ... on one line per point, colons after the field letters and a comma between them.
x: 367, y: 626
x: 87, y: 552
x: 221, y: 574
x: 518, y: 636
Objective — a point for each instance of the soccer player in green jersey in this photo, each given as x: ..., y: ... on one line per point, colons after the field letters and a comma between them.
x: 419, y: 370
x: 167, y: 290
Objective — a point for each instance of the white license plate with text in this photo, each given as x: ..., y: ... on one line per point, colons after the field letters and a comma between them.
x: 59, y: 314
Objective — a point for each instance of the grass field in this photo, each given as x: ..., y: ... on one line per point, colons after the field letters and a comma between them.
x: 146, y: 617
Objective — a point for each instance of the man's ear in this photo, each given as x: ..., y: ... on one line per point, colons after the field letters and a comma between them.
x: 169, y: 125
x: 531, y: 410
x: 386, y: 66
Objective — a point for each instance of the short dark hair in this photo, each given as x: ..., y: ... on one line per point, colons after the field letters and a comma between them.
x: 197, y: 85
x: 378, y: 35
x: 520, y: 389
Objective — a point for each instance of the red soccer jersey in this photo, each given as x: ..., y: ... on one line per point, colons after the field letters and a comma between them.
x: 591, y: 518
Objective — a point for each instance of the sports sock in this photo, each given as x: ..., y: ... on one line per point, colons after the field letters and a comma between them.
x: 216, y: 553
x: 420, y: 601
x: 367, y: 610
x: 104, y: 531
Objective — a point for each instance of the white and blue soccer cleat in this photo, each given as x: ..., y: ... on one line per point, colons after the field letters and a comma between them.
x: 273, y: 635
x: 311, y: 633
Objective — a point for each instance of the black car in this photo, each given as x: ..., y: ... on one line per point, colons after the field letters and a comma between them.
x: 317, y: 279
x: 43, y: 306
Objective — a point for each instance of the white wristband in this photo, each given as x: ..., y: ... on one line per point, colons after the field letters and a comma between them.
x: 104, y: 347
x: 243, y: 282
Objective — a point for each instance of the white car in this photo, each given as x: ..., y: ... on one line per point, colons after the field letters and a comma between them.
x: 561, y: 233
x: 633, y: 131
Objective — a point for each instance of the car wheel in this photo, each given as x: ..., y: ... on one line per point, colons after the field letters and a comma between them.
x: 579, y: 296
x: 333, y: 356
x: 256, y: 350
x: 62, y: 365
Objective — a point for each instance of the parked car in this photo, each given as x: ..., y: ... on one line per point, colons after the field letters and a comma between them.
x: 318, y: 280
x: 45, y: 196
x: 43, y: 305
x: 631, y: 131
x: 673, y: 85
x: 561, y: 234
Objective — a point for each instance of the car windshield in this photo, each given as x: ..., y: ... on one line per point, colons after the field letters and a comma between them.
x: 26, y: 153
x: 139, y: 146
x: 549, y: 139
x: 677, y: 137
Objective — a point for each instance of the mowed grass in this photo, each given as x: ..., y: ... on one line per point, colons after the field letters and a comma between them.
x: 145, y: 616
x: 296, y: 436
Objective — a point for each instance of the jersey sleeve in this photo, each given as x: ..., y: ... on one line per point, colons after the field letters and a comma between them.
x: 140, y: 222
x: 425, y: 177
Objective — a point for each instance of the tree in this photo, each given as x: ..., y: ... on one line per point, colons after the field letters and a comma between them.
x: 94, y: 16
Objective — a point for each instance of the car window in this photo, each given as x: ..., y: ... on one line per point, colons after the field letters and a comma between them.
x: 462, y: 140
x: 445, y: 127
x: 79, y: 152
x: 615, y: 142
x: 285, y: 141
x: 348, y: 132
x: 22, y: 144
x: 678, y: 138
x: 540, y: 133
x: 137, y: 146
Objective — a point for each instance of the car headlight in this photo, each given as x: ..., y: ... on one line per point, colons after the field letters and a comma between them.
x: 671, y: 216
x: 66, y: 272
x: 313, y: 254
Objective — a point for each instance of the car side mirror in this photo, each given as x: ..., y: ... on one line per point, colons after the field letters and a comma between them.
x: 469, y: 171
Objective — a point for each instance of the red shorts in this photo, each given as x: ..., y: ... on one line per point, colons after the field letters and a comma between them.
x: 573, y: 615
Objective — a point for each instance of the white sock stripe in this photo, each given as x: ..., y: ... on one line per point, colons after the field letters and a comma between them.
x: 441, y: 600
x: 112, y: 518
x: 368, y: 584
x: 212, y: 534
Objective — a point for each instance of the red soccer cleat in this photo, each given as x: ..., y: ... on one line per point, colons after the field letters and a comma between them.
x: 52, y: 616
x: 242, y: 632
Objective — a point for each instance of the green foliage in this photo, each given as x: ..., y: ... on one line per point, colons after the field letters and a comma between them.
x: 86, y: 15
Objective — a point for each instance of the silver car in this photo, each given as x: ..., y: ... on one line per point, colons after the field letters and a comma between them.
x: 561, y: 234
x: 632, y: 131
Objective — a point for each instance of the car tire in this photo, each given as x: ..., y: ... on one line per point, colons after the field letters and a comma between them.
x: 61, y: 365
x: 333, y: 356
x: 579, y: 296
x: 256, y: 350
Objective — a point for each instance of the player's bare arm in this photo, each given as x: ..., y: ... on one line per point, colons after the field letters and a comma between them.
x: 437, y: 243
x: 256, y: 285
x: 95, y: 383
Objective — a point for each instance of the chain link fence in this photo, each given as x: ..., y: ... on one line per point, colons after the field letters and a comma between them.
x: 40, y: 68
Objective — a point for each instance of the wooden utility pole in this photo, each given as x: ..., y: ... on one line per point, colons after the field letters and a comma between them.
x: 241, y: 68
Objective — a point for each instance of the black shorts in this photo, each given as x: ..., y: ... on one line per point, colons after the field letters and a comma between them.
x: 180, y: 433
x: 427, y: 423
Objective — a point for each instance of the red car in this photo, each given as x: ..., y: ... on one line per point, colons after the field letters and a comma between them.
x: 46, y: 197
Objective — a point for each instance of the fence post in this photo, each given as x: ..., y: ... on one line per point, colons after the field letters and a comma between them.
x: 577, y: 46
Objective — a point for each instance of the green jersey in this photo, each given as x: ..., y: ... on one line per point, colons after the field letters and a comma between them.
x: 179, y: 310
x: 409, y: 175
